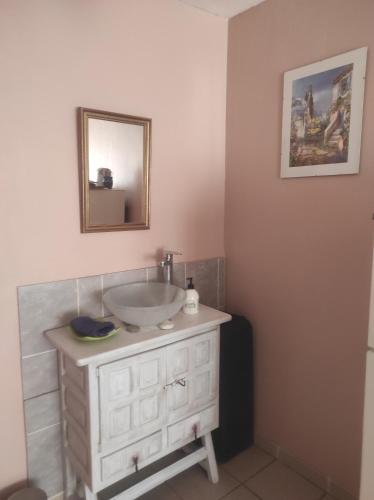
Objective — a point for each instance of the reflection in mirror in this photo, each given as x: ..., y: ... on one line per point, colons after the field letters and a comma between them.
x: 114, y: 171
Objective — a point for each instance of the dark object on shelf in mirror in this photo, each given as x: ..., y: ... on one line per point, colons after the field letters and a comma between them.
x: 108, y: 181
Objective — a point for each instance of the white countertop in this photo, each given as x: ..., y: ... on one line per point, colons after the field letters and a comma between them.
x: 126, y: 343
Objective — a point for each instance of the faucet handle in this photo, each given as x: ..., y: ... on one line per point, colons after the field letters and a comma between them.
x: 168, y: 259
x: 170, y: 253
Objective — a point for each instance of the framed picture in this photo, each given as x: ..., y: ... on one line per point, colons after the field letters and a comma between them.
x: 322, y: 116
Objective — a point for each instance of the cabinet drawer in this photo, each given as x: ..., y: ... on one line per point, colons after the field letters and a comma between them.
x: 122, y: 462
x: 194, y: 426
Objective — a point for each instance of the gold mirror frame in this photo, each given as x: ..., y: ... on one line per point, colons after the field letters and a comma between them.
x: 83, y: 116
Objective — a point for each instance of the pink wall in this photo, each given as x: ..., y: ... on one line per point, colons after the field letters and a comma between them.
x: 299, y: 250
x: 162, y: 60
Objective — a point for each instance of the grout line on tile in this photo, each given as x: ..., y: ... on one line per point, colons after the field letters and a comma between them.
x: 329, y: 483
x: 260, y: 470
x: 267, y: 446
x: 229, y: 492
x: 38, y: 354
x: 58, y: 496
x: 229, y: 473
x: 43, y: 394
x: 326, y: 489
x: 249, y: 489
x: 102, y: 293
x: 43, y: 429
x: 185, y: 274
x: 167, y: 483
x: 78, y: 301
x: 305, y: 478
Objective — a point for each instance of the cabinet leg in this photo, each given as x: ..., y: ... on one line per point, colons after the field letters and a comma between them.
x: 88, y: 495
x: 211, y: 459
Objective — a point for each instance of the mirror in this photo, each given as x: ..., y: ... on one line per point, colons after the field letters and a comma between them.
x: 114, y: 171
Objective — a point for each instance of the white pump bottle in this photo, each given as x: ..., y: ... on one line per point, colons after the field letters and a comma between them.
x: 191, y: 306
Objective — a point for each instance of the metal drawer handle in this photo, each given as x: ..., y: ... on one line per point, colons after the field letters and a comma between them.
x: 135, y: 460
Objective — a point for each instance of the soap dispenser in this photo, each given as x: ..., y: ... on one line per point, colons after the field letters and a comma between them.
x: 191, y: 306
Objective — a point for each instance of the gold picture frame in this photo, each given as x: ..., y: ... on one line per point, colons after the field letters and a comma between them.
x: 86, y: 117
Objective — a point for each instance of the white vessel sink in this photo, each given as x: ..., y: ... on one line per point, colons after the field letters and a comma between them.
x: 144, y: 304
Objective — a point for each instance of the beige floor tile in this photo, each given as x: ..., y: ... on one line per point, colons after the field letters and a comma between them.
x: 241, y: 493
x: 302, y: 469
x: 163, y: 492
x: 278, y: 482
x: 248, y: 463
x: 193, y: 484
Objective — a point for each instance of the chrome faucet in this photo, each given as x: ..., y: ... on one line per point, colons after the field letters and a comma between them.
x: 167, y: 265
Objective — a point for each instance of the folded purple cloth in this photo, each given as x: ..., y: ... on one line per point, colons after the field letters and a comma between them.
x: 84, y: 326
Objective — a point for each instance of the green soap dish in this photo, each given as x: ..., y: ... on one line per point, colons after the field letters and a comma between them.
x: 94, y: 339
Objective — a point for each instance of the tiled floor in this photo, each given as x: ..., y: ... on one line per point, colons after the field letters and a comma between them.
x: 252, y: 475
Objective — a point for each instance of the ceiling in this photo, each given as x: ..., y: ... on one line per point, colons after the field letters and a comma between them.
x: 224, y: 8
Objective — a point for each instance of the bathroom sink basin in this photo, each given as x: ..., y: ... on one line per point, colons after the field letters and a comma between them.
x: 144, y: 304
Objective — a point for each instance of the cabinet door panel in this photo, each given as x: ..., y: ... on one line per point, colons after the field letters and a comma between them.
x: 120, y: 383
x: 178, y: 360
x: 178, y: 396
x: 150, y: 373
x: 205, y: 359
x: 149, y: 409
x: 130, y: 397
x: 120, y: 421
x: 194, y: 364
x: 202, y: 354
x: 178, y: 357
x: 201, y: 385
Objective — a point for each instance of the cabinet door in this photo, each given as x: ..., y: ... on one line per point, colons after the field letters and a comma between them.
x: 192, y: 374
x: 131, y: 398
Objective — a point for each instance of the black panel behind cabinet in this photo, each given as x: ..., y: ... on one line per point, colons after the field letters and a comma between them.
x: 235, y: 432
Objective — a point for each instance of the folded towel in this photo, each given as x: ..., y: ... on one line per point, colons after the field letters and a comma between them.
x: 84, y: 326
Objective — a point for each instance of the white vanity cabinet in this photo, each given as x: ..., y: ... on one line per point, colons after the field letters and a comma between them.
x: 136, y: 397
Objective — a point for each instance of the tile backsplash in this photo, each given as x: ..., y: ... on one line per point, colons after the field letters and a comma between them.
x: 50, y: 305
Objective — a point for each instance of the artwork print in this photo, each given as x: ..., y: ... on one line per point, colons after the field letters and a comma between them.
x: 322, y: 117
